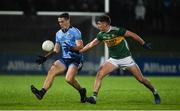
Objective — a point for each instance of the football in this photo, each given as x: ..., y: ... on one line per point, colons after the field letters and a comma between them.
x: 47, y: 45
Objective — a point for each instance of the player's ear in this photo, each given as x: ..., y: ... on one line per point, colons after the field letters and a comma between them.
x: 67, y: 20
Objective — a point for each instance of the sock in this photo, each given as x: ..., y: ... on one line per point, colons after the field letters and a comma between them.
x: 155, y: 91
x: 95, y: 94
x: 43, y: 91
x: 80, y: 90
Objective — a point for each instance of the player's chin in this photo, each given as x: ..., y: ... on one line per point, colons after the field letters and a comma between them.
x: 63, y: 28
x: 101, y: 29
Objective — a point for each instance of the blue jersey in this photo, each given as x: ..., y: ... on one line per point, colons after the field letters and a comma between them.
x: 70, y: 36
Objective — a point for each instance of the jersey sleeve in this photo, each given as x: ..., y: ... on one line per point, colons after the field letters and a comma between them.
x: 78, y: 35
x: 99, y: 37
x: 122, y: 31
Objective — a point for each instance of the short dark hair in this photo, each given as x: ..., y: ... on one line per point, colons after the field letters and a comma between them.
x: 64, y: 15
x: 103, y: 18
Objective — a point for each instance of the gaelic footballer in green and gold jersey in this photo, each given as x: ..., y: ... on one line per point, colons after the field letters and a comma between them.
x: 117, y: 45
x: 120, y: 55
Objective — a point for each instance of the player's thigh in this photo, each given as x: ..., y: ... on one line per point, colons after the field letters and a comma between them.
x: 57, y: 67
x: 135, y: 70
x: 105, y: 69
x: 71, y: 72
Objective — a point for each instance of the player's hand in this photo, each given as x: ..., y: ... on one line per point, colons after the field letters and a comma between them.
x: 41, y: 59
x: 147, y: 46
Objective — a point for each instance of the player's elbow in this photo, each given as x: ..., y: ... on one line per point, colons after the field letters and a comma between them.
x: 56, y: 51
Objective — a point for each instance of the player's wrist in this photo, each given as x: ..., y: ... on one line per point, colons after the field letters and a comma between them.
x: 147, y: 45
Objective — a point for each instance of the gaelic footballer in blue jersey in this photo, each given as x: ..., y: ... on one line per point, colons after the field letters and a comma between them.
x: 68, y: 40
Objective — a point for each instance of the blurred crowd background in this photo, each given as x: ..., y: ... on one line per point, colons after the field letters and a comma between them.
x: 156, y: 21
x: 157, y: 14
x: 154, y: 18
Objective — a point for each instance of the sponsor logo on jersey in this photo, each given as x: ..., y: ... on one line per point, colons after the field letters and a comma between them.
x: 113, y: 41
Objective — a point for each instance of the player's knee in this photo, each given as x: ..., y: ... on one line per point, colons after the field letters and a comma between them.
x: 51, y: 72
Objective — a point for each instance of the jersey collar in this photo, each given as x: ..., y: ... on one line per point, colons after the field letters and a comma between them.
x: 65, y: 30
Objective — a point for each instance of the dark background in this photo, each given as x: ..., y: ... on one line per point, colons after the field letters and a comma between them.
x: 24, y: 34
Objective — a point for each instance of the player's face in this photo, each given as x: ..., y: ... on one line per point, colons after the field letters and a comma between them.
x: 102, y: 26
x: 63, y: 23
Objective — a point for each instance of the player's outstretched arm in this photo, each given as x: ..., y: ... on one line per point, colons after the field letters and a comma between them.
x: 134, y: 36
x: 90, y: 45
x: 138, y: 39
x: 41, y: 59
x: 55, y: 51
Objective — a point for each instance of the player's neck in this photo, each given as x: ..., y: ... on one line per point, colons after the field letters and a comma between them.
x: 108, y: 28
x: 66, y: 29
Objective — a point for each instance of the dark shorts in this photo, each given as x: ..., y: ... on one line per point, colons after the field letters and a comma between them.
x: 67, y: 62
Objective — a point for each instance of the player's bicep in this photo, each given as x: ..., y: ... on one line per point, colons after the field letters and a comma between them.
x: 128, y: 34
x: 134, y: 36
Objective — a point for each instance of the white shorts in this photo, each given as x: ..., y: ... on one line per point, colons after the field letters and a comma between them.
x: 122, y: 63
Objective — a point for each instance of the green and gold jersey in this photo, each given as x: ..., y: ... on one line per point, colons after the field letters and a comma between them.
x: 117, y: 45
